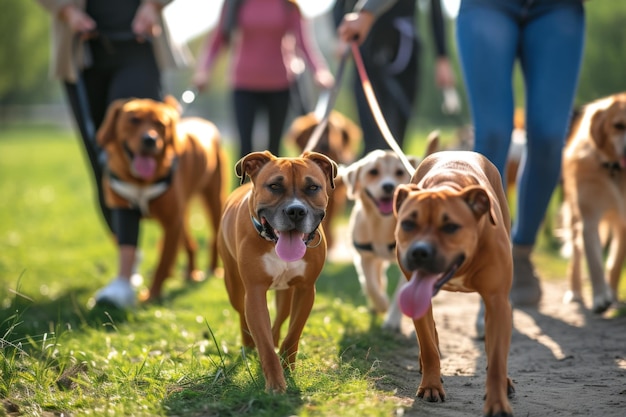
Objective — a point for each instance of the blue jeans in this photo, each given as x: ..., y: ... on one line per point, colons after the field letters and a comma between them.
x: 547, y: 36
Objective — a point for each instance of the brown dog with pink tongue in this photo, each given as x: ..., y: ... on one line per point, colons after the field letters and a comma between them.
x: 271, y: 239
x: 452, y: 233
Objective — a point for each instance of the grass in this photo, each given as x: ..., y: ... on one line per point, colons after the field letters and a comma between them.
x: 60, y: 355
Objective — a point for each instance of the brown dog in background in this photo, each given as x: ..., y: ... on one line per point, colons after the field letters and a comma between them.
x: 340, y: 141
x: 156, y: 163
x: 594, y: 207
x: 453, y: 233
x: 270, y: 239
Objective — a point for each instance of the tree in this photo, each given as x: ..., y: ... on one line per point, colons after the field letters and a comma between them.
x: 24, y: 52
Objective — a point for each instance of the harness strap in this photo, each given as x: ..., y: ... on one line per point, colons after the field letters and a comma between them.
x: 141, y: 195
x: 369, y: 247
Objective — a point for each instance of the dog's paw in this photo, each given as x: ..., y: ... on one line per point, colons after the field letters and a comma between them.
x: 196, y: 276
x: 432, y: 394
x: 498, y: 410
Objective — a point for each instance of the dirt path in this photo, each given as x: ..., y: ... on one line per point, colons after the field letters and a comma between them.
x: 563, y: 360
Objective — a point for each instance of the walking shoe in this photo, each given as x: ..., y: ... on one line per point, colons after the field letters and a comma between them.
x: 119, y: 293
x: 526, y: 289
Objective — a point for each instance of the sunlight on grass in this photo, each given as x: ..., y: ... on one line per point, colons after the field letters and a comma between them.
x: 179, y: 357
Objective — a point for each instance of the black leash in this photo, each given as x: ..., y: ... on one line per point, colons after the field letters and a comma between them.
x: 332, y: 98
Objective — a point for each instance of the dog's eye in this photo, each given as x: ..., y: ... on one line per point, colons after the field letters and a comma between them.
x: 399, y: 173
x: 159, y: 125
x: 313, y: 188
x: 619, y: 125
x: 408, y: 225
x: 373, y: 172
x: 450, y: 228
x: 135, y: 120
x: 275, y: 187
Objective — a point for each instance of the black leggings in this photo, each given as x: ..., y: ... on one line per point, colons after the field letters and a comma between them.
x: 248, y: 104
x: 120, y: 70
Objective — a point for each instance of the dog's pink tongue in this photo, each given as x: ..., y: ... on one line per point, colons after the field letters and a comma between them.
x: 415, y: 295
x: 385, y: 206
x: 144, y: 166
x: 290, y: 246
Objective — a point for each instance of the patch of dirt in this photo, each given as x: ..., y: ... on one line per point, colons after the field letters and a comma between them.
x: 564, y: 360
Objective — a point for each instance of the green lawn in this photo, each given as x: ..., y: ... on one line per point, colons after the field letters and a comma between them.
x: 182, y: 357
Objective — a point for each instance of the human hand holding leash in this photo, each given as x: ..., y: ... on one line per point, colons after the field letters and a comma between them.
x: 78, y: 21
x: 146, y: 23
x: 355, y: 26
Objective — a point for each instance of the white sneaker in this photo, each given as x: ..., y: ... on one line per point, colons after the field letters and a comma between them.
x: 119, y: 292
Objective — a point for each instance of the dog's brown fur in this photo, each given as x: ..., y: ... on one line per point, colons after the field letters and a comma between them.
x: 340, y: 141
x: 186, y: 150
x: 594, y: 206
x: 453, y: 225
x: 251, y: 264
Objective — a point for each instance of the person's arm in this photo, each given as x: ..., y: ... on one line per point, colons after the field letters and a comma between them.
x: 147, y: 21
x: 308, y: 46
x: 214, y: 44
x: 66, y: 11
x: 355, y: 26
x: 444, y: 76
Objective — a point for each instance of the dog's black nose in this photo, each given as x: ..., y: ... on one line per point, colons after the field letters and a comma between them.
x: 148, y: 140
x: 296, y: 211
x: 388, y: 187
x: 421, y: 255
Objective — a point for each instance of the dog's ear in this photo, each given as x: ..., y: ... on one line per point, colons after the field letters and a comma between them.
x: 400, y: 196
x: 251, y: 164
x: 328, y: 165
x: 433, y: 143
x: 598, y: 134
x: 106, y: 132
x: 173, y: 117
x: 173, y: 103
x: 350, y: 174
x: 479, y: 201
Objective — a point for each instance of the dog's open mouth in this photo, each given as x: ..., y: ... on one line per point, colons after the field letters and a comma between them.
x: 415, y: 296
x: 384, y: 204
x: 290, y: 244
x: 141, y: 165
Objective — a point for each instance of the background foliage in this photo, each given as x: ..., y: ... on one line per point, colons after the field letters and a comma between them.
x: 24, y: 56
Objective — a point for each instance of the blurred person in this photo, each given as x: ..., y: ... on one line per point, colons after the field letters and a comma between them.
x: 263, y: 36
x: 103, y: 50
x: 547, y: 38
x: 391, y: 55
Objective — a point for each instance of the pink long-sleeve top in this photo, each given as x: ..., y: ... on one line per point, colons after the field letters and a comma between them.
x: 261, y: 47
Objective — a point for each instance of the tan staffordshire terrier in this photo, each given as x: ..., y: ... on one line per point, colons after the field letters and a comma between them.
x: 371, y: 183
x: 270, y: 239
x: 452, y: 233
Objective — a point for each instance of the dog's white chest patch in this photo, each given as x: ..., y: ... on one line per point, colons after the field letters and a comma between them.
x: 281, y: 271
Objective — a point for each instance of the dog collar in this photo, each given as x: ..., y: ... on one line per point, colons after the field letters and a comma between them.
x: 370, y: 247
x: 141, y: 195
x: 261, y: 230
